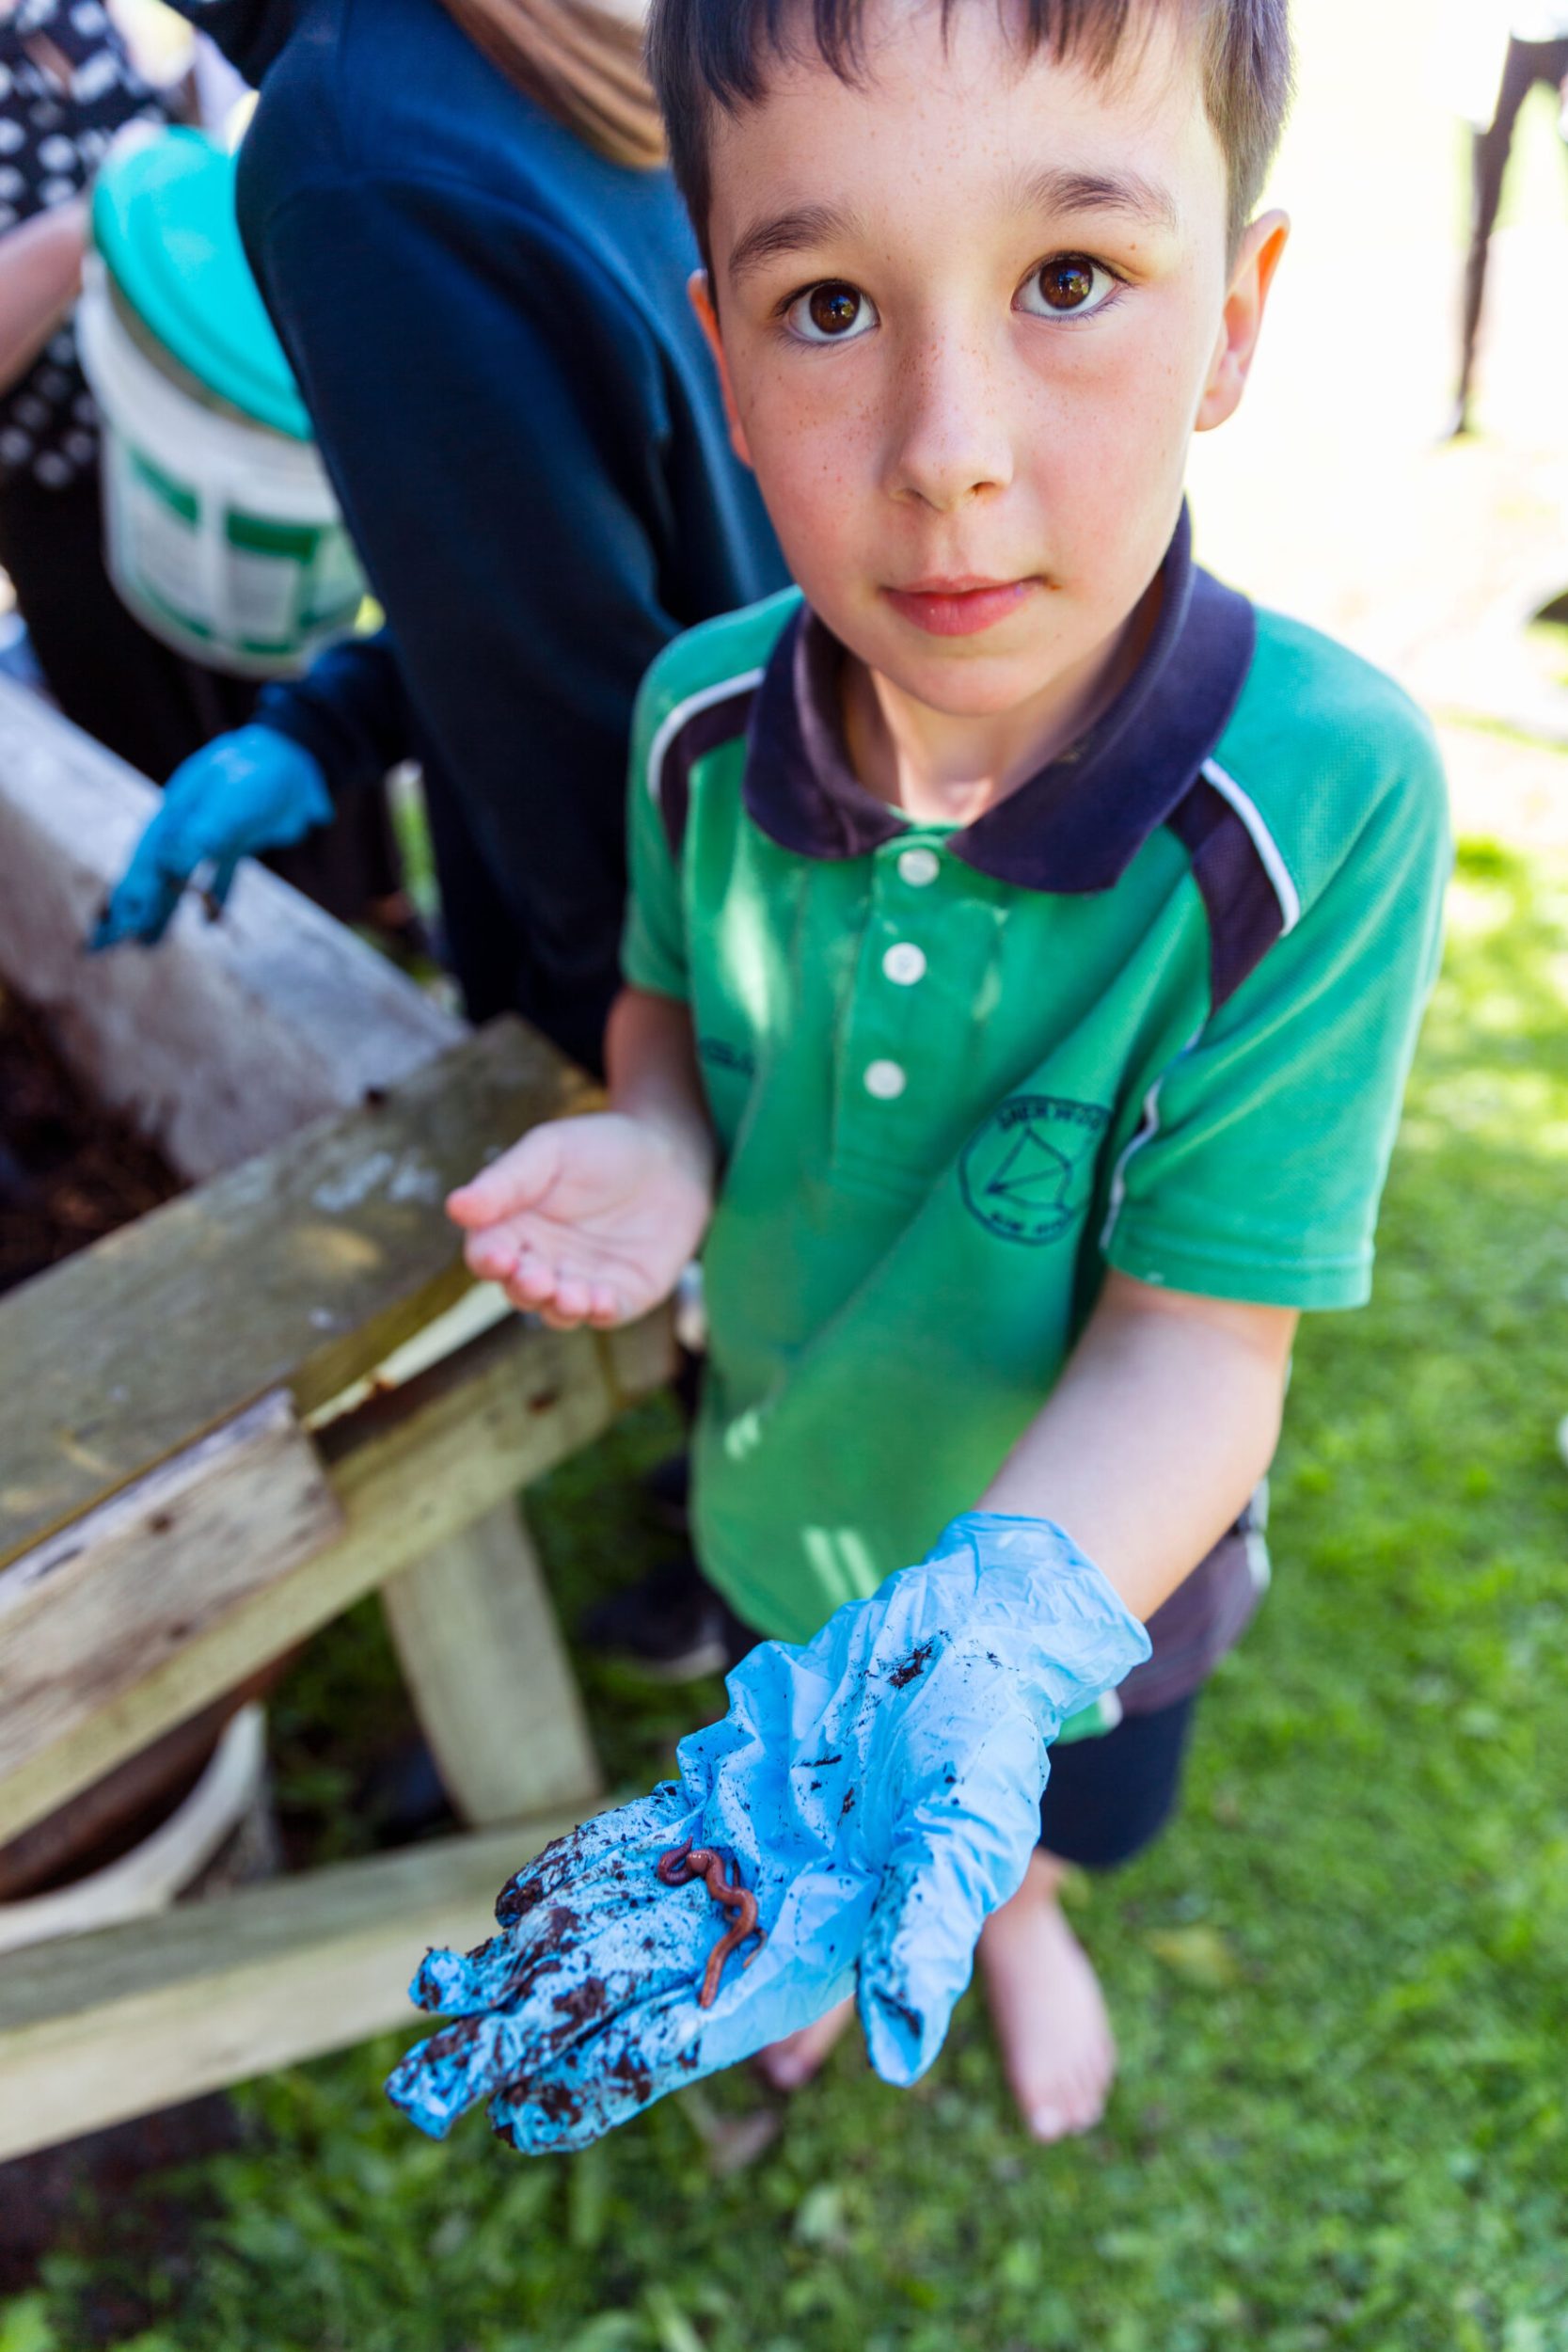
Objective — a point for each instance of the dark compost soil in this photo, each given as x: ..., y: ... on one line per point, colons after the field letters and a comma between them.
x: 70, y: 1172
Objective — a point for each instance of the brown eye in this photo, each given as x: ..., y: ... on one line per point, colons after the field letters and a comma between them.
x: 1068, y: 286
x: 833, y: 309
x: 833, y: 312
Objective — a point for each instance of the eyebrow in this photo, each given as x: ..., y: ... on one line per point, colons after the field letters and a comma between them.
x: 798, y: 231
x: 1057, y: 189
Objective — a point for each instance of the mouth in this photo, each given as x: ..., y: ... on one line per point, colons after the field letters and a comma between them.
x: 959, y: 606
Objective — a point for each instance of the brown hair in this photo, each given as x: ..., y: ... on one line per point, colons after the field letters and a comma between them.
x: 583, y: 64
x: 707, y: 53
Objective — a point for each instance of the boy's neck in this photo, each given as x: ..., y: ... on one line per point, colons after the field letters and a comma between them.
x: 946, y: 770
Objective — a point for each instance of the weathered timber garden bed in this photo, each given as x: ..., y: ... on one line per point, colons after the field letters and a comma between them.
x: 254, y: 1403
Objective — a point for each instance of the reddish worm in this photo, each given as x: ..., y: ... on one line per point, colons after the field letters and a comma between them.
x: 684, y: 1862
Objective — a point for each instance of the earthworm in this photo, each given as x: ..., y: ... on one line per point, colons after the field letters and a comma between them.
x: 684, y: 1862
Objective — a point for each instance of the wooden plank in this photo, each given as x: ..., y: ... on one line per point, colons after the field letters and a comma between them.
x: 91, y: 1612
x: 227, y: 1036
x: 410, y: 1471
x: 641, y: 1355
x: 98, y: 2027
x: 478, y: 1310
x: 487, y: 1670
x: 301, y: 1270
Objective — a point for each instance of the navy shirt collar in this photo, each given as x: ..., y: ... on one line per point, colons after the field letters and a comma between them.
x: 1077, y: 823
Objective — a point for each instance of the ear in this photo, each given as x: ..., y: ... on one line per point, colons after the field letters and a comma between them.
x: 1242, y: 320
x: 699, y: 293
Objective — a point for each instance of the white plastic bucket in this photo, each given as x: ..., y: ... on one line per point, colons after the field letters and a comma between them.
x: 153, y: 1874
x: 223, y: 537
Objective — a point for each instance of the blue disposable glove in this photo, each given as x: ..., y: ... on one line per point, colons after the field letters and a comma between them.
x: 252, y: 790
x: 879, y: 1790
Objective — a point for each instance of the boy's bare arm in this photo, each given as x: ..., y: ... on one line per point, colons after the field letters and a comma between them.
x: 591, y: 1219
x: 651, y: 1062
x: 1164, y: 1421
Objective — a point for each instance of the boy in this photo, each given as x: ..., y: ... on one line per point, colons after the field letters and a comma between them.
x: 1026, y: 951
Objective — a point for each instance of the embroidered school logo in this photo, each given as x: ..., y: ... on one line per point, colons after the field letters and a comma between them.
x: 1018, y: 1172
x: 719, y: 1055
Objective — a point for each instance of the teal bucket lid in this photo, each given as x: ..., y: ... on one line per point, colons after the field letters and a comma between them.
x: 163, y: 219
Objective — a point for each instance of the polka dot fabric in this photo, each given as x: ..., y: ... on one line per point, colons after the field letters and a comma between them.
x: 66, y: 87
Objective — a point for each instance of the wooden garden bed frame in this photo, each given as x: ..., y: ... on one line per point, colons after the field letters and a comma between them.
x: 225, y: 1423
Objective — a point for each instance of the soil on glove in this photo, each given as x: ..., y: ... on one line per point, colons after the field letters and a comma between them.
x: 70, y: 1171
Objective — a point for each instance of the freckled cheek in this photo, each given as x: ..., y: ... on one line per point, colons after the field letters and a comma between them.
x: 1112, y: 433
x: 816, y: 456
x: 1102, y: 474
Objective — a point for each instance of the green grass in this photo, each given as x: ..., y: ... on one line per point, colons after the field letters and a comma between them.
x: 1341, y: 1983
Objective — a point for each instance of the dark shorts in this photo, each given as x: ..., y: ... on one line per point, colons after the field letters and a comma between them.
x: 1108, y: 1797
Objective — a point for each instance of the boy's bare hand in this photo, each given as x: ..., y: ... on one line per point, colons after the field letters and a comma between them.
x: 586, y: 1220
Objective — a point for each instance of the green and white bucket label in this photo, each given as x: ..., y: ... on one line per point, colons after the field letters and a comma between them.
x: 220, y: 581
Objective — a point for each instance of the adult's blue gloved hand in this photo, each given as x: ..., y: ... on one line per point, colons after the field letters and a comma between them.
x: 879, y: 1789
x: 252, y: 790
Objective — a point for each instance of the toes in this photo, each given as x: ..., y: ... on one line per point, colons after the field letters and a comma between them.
x: 1060, y: 2102
x: 1076, y: 2108
x: 1087, y: 2105
x: 1085, y: 2097
x: 788, y: 2071
x: 790, y: 2065
x: 781, y: 2073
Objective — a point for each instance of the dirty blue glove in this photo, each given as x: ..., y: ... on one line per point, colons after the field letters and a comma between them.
x: 878, y: 1791
x: 252, y: 790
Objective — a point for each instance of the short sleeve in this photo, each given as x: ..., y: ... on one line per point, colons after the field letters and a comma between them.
x: 653, y: 944
x: 1258, y: 1167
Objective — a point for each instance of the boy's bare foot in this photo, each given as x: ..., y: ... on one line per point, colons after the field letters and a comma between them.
x: 1050, y: 2018
x: 788, y: 2064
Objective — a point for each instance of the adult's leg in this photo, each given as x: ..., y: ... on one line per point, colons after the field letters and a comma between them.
x: 1523, y: 67
x: 484, y: 938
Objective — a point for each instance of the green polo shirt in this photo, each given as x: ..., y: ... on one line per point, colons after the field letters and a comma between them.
x: 1154, y: 1010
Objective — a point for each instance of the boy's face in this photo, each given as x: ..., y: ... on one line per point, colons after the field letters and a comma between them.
x: 970, y: 313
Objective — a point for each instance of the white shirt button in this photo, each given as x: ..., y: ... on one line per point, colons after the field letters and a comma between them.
x: 886, y: 1080
x: 918, y: 867
x: 905, y: 964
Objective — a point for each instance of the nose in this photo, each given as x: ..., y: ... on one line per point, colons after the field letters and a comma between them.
x: 949, y: 440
